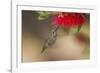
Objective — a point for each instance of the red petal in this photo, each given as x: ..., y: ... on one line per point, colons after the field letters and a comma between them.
x: 70, y: 19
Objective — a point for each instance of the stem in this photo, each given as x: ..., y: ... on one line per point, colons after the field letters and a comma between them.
x: 79, y: 28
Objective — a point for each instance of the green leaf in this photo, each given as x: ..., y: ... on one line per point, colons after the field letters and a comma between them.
x: 43, y: 15
x: 40, y: 18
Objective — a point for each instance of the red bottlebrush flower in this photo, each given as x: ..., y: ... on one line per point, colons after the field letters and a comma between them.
x: 69, y: 19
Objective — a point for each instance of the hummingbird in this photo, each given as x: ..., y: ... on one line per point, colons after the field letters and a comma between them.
x: 51, y: 39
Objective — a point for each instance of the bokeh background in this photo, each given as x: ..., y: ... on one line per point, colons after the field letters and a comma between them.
x: 68, y: 45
